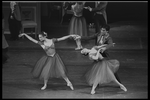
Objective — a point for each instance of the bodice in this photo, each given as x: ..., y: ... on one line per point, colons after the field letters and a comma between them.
x: 77, y: 9
x: 50, y: 50
x: 49, y: 47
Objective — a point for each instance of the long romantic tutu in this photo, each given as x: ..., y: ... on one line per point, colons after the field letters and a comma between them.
x: 78, y: 26
x: 102, y: 72
x: 49, y: 67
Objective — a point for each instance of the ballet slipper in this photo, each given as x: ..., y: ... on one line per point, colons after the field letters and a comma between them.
x: 44, y: 87
x: 123, y: 88
x: 70, y: 85
x: 78, y: 48
x: 93, y: 92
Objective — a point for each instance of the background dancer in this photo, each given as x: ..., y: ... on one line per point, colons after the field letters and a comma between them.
x: 14, y: 20
x: 78, y: 24
x: 5, y: 45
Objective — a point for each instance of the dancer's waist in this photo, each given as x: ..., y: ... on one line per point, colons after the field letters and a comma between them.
x: 78, y: 15
x: 50, y: 53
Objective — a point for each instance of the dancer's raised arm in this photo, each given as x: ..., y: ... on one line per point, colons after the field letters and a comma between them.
x: 30, y: 38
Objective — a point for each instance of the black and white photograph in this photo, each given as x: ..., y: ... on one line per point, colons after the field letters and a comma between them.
x: 74, y: 49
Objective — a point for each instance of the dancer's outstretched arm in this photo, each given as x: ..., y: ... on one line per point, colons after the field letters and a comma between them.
x: 101, y: 46
x: 30, y: 38
x: 65, y: 37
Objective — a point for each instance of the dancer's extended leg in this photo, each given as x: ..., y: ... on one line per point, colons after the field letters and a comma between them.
x: 121, y: 85
x: 93, y: 88
x: 68, y: 83
x: 45, y: 85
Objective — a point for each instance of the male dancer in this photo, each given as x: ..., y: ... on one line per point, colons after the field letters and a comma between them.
x: 103, y: 37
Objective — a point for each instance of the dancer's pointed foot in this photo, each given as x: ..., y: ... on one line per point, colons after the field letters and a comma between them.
x: 44, y: 87
x: 123, y: 88
x: 93, y: 92
x: 70, y: 85
x: 78, y: 48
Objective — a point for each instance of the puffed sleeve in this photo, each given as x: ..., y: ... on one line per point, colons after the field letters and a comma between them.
x: 54, y: 40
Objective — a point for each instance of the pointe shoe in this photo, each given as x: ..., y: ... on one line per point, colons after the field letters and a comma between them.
x: 70, y: 85
x: 44, y: 87
x: 92, y: 92
x: 123, y: 88
x: 78, y: 48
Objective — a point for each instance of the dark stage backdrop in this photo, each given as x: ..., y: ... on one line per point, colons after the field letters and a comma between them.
x: 124, y: 11
x: 116, y: 11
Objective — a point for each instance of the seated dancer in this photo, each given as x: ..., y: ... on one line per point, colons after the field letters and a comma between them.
x: 49, y: 65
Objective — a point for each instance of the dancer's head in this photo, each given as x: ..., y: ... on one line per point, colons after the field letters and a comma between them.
x: 106, y: 26
x: 105, y: 29
x: 85, y: 51
x: 42, y: 36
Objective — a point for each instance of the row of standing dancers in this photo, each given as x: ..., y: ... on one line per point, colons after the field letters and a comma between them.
x: 104, y: 69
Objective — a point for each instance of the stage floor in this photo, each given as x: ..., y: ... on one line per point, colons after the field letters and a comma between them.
x: 130, y: 49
